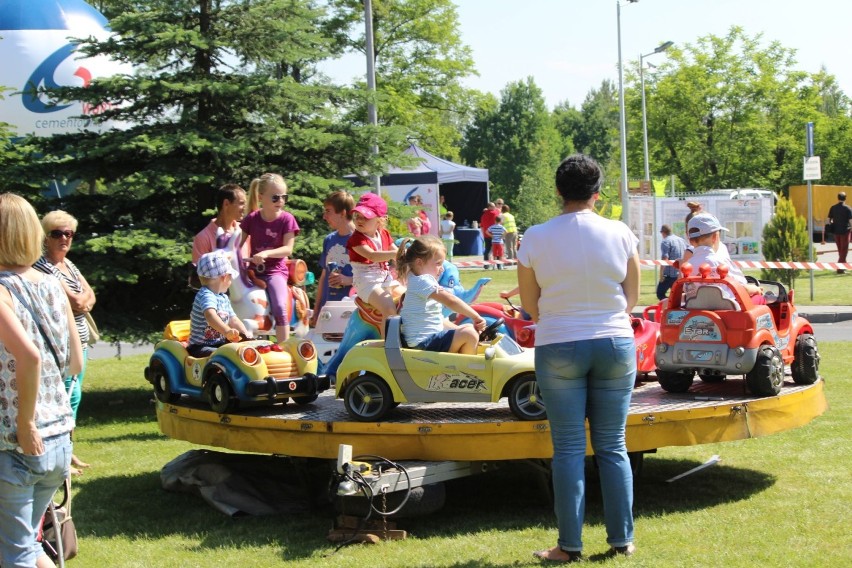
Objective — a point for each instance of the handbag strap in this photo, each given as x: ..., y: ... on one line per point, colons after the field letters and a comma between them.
x: 37, y: 321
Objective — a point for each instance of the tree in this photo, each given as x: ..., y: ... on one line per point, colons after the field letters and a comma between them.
x: 519, y: 145
x: 596, y: 133
x: 785, y: 239
x: 420, y: 62
x: 220, y: 93
x: 725, y: 112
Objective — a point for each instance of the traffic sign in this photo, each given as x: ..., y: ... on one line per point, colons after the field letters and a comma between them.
x: 813, y: 169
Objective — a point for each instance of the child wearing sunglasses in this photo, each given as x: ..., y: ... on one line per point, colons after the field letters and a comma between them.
x: 273, y: 232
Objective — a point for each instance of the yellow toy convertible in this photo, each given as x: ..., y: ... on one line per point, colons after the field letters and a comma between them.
x: 375, y: 376
x: 251, y: 371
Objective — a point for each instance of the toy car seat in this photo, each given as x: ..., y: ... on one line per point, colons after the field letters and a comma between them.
x: 709, y: 297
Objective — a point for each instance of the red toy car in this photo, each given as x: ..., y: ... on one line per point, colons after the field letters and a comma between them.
x: 711, y: 327
x: 522, y: 330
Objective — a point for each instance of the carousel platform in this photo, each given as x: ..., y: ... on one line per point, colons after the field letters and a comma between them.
x: 709, y: 413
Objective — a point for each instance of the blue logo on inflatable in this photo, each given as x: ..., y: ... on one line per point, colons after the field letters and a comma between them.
x: 42, y: 77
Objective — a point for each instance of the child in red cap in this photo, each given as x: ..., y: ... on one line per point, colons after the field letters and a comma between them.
x: 370, y: 248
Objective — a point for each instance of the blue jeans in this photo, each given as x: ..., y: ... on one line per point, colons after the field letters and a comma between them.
x: 589, y: 379
x: 27, y: 483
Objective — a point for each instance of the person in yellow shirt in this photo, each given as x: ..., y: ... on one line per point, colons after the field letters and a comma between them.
x: 510, y: 235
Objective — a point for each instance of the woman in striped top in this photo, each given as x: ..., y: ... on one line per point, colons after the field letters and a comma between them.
x: 59, y: 229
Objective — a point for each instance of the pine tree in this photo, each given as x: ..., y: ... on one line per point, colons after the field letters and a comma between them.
x: 785, y: 239
x: 222, y: 91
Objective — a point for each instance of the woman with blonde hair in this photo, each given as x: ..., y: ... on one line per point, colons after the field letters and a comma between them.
x: 38, y: 348
x: 59, y: 230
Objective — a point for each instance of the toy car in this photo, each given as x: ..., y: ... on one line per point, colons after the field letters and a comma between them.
x: 252, y: 371
x: 704, y: 331
x: 375, y: 376
x: 522, y: 330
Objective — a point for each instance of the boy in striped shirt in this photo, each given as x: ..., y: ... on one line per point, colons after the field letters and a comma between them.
x: 496, y: 232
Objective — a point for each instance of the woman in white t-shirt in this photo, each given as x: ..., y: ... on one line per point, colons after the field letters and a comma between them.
x: 580, y: 294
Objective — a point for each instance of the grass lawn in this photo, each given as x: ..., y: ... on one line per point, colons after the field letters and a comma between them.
x: 780, y: 500
x: 830, y: 289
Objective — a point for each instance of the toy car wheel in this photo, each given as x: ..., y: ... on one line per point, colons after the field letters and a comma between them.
x: 672, y: 381
x: 303, y: 400
x: 368, y: 398
x: 525, y: 399
x: 767, y: 376
x: 711, y: 378
x: 160, y: 379
x: 220, y: 394
x: 806, y: 361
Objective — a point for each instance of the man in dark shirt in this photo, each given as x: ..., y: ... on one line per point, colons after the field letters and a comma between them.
x: 840, y: 217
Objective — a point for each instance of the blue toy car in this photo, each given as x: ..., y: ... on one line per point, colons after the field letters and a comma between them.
x: 253, y: 371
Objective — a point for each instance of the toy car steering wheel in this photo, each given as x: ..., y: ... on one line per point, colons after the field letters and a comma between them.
x: 490, y: 332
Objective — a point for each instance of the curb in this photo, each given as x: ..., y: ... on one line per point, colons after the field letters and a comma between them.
x: 826, y: 317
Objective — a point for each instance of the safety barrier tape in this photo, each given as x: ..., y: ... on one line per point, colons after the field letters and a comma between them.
x: 740, y: 263
x: 767, y: 264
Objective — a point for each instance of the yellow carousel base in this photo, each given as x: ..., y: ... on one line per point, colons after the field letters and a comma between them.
x: 710, y: 412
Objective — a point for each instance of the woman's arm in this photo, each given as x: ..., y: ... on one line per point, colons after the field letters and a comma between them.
x: 74, y: 344
x: 530, y: 291
x: 27, y: 374
x: 631, y: 282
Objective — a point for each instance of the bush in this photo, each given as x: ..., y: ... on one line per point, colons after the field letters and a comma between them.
x: 785, y: 239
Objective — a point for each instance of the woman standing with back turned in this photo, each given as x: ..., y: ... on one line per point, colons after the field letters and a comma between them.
x: 581, y: 296
x: 39, y: 346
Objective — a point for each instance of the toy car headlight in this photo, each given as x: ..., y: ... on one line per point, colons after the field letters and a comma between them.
x: 524, y: 334
x: 249, y: 356
x: 307, y: 350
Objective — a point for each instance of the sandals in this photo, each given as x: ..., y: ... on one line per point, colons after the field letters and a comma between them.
x: 558, y: 555
x: 628, y: 550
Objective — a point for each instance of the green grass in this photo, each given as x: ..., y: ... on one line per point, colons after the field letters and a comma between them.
x: 830, y: 289
x: 780, y: 500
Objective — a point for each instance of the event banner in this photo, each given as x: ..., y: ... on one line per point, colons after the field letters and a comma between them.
x: 37, y: 52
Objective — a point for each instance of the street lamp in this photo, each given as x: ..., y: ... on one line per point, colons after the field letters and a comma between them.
x: 660, y: 49
x: 625, y: 196
x: 372, y: 115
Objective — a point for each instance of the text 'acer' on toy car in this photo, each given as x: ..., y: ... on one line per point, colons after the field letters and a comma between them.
x: 710, y: 326
x: 376, y: 376
x: 251, y: 371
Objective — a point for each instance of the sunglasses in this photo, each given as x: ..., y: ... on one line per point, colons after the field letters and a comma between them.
x: 279, y: 197
x: 57, y: 234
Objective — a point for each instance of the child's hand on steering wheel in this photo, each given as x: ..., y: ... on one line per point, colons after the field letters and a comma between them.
x: 232, y: 335
x: 479, y: 324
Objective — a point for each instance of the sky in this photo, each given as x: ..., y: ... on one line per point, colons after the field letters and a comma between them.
x: 570, y: 46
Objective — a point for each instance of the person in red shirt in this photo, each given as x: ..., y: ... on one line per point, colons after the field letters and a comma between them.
x: 489, y: 215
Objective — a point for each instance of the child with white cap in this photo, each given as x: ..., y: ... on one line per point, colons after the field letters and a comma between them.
x: 705, y: 232
x: 213, y: 322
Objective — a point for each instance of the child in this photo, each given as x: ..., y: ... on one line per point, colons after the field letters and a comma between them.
x: 447, y: 235
x: 419, y: 263
x: 273, y: 232
x: 370, y: 249
x: 213, y: 322
x: 705, y: 232
x: 335, y: 281
x: 496, y: 232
